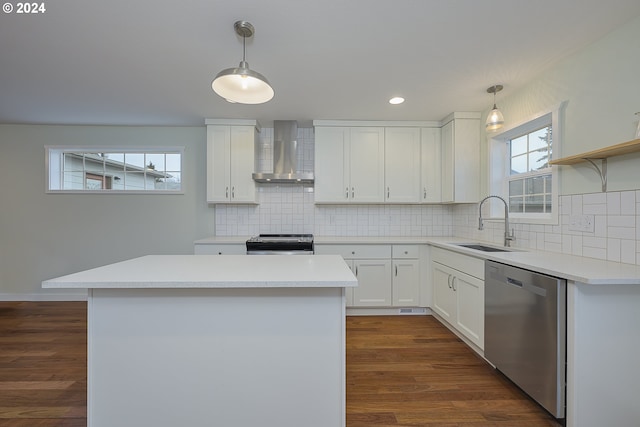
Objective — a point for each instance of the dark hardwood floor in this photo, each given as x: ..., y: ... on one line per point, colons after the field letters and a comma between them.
x: 412, y: 371
x: 401, y: 371
x: 43, y: 364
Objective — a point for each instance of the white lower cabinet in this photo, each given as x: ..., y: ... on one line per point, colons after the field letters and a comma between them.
x: 388, y: 275
x: 374, y: 283
x: 458, y: 292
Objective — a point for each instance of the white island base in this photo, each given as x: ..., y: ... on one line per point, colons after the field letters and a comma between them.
x: 228, y: 356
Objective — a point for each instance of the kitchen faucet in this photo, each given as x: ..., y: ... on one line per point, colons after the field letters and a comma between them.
x: 508, y: 237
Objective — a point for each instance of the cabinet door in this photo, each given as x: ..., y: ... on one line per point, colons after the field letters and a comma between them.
x: 444, y: 299
x: 366, y: 164
x: 374, y: 283
x: 406, y: 280
x: 467, y: 160
x: 461, y: 161
x: 448, y: 165
x: 402, y: 165
x: 431, y: 165
x: 218, y: 164
x: 331, y: 165
x: 242, y: 161
x: 470, y: 311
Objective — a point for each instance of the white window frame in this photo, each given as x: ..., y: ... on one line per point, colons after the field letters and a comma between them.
x: 54, y: 155
x: 500, y: 165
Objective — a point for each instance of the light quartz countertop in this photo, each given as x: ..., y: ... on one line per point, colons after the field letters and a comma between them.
x: 579, y: 269
x: 213, y: 271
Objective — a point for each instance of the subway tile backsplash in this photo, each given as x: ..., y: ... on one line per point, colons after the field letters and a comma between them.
x: 616, y: 234
x: 290, y: 208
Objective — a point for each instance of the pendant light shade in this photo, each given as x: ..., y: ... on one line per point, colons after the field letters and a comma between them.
x: 241, y: 84
x: 495, y: 120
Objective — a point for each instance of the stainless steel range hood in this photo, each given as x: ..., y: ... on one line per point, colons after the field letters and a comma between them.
x: 285, y: 156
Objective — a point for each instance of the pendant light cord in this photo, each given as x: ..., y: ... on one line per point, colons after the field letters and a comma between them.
x: 494, y: 97
x: 244, y: 48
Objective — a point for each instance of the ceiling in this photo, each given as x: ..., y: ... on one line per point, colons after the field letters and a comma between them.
x: 151, y: 62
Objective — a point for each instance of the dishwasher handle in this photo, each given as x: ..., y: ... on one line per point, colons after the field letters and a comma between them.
x: 514, y: 282
x: 527, y: 287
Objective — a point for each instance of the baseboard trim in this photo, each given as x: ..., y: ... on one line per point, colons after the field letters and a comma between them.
x: 388, y: 311
x: 44, y: 297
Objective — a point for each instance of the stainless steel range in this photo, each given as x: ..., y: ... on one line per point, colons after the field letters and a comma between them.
x: 280, y: 244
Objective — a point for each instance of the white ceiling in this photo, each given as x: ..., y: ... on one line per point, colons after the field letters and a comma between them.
x: 151, y: 62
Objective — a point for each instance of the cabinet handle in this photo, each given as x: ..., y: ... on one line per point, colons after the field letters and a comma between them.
x: 453, y: 284
x: 356, y: 271
x: 387, y: 192
x: 424, y: 193
x: 396, y: 271
x: 226, y: 193
x: 346, y: 194
x: 449, y: 282
x: 353, y: 252
x: 353, y: 193
x: 233, y: 192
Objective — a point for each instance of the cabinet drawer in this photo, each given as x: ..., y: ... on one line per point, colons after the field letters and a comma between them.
x: 355, y: 251
x: 405, y: 251
x: 467, y: 264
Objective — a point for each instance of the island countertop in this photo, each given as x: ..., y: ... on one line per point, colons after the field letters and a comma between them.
x: 211, y: 271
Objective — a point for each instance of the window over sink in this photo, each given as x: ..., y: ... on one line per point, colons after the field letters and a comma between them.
x: 519, y: 168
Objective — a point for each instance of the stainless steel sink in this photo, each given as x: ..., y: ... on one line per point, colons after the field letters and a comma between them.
x: 483, y: 248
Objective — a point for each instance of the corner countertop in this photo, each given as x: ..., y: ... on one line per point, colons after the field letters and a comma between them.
x: 590, y: 271
x: 213, y: 271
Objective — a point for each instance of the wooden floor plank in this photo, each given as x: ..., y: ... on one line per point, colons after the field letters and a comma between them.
x: 417, y: 370
x: 43, y: 364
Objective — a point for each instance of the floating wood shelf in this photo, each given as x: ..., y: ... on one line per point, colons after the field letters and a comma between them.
x: 628, y: 147
x: 601, y: 154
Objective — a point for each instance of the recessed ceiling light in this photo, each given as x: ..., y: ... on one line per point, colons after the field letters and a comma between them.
x: 396, y: 100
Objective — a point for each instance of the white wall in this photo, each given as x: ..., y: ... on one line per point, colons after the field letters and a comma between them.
x: 601, y: 85
x: 49, y: 235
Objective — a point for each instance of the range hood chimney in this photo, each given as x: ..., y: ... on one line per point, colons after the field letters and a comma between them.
x: 285, y: 156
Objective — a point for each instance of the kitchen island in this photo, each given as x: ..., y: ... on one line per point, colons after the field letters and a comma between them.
x: 200, y: 340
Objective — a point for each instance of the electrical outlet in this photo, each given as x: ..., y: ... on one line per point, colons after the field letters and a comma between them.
x: 582, y: 223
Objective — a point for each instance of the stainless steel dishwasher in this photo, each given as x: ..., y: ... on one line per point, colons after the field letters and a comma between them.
x: 525, y: 331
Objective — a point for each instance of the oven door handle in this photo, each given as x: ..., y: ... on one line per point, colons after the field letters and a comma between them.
x: 270, y: 252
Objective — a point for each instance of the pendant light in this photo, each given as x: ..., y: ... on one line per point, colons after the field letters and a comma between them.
x: 495, y: 120
x: 241, y: 84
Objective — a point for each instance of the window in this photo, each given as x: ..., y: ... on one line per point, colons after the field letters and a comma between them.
x: 530, y: 177
x: 114, y: 170
x: 520, y: 171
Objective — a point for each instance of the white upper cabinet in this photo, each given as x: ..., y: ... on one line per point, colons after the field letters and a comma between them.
x: 230, y: 162
x: 398, y: 162
x: 331, y: 164
x: 349, y: 164
x: 461, y: 158
x: 431, y: 165
x: 402, y: 164
x: 366, y: 161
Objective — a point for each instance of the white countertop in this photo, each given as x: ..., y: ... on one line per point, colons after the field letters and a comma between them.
x: 579, y: 269
x: 213, y: 271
